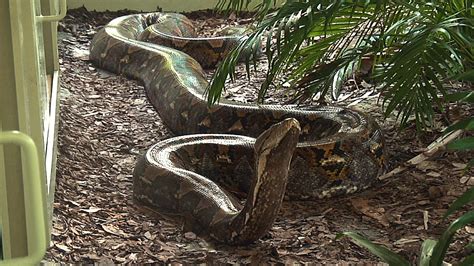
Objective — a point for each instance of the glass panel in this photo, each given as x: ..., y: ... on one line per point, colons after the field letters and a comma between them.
x: 43, y: 86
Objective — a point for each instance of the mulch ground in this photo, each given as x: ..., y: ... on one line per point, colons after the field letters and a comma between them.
x: 106, y: 121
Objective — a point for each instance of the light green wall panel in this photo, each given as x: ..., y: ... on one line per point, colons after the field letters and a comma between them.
x: 144, y: 5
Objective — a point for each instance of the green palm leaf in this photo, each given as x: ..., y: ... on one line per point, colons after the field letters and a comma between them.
x: 466, y: 198
x: 383, y: 253
x: 462, y: 144
x: 416, y: 45
x: 441, y: 247
x: 426, y: 252
x: 468, y: 261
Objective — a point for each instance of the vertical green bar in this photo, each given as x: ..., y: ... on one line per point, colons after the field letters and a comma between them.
x: 13, y: 215
x: 50, y: 46
x: 22, y: 107
x: 25, y: 105
x: 30, y: 85
x: 34, y: 198
x: 48, y: 7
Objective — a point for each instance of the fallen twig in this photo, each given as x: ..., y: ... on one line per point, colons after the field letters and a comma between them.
x: 434, y: 147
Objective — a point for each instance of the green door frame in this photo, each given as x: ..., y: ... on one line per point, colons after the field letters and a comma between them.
x: 24, y: 106
x: 33, y: 198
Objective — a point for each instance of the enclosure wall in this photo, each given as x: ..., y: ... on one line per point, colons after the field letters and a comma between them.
x: 146, y: 5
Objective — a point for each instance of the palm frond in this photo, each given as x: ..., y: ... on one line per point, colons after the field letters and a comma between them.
x: 292, y: 25
x: 428, y: 54
x: 262, y: 8
x: 416, y: 46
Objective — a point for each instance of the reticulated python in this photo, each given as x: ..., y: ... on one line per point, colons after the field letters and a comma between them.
x: 338, y: 150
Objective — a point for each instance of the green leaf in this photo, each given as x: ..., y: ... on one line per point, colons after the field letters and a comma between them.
x: 462, y: 144
x: 466, y: 198
x: 466, y: 76
x: 468, y: 261
x: 439, y: 252
x: 426, y: 252
x: 418, y: 46
x: 470, y: 246
x: 466, y: 124
x: 470, y: 164
x: 383, y: 253
x: 461, y: 96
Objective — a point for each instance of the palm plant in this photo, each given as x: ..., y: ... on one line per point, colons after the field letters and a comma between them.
x: 432, y: 252
x: 415, y: 47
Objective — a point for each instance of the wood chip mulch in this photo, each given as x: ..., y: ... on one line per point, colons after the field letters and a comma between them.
x: 106, y: 120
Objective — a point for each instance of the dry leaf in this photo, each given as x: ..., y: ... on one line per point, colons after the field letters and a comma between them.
x: 114, y: 230
x: 304, y: 252
x: 464, y: 179
x: 91, y: 210
x: 428, y: 165
x: 82, y: 54
x: 469, y: 229
x: 190, y: 235
x: 433, y: 174
x: 459, y: 166
x: 362, y: 205
x: 149, y: 235
x: 404, y: 241
x: 63, y: 247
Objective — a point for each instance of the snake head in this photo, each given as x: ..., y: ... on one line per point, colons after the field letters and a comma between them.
x: 273, y: 152
x: 282, y: 133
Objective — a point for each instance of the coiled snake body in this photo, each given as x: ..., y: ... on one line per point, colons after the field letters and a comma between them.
x: 338, y: 151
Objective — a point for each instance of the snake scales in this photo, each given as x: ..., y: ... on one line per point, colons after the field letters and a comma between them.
x: 338, y: 150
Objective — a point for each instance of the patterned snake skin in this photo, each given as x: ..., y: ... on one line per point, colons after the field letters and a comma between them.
x: 339, y: 150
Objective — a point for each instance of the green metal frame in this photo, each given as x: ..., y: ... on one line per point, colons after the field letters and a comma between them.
x: 25, y: 59
x: 50, y: 46
x: 54, y: 18
x: 34, y: 199
x: 48, y: 9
